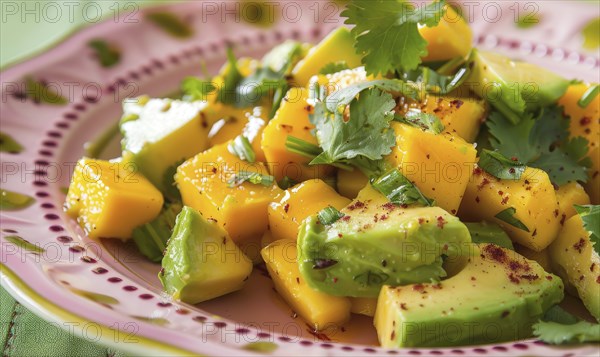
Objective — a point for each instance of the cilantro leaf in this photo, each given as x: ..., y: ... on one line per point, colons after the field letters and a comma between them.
x: 424, y: 121
x: 590, y: 215
x: 399, y: 189
x: 344, y: 96
x: 560, y: 327
x: 107, y: 55
x: 436, y: 82
x: 387, y: 32
x: 367, y: 133
x: 334, y: 67
x: 543, y: 143
x: 508, y: 216
x: 499, y: 166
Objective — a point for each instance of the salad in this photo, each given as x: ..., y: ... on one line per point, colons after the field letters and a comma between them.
x: 392, y: 170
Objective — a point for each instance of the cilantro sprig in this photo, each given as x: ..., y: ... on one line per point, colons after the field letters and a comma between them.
x: 542, y: 142
x: 387, y: 32
x: 560, y: 327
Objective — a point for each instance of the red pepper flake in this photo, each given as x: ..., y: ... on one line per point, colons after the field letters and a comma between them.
x: 346, y: 218
x: 286, y: 208
x: 383, y: 217
x: 496, y: 253
x: 203, y: 120
x: 298, y: 280
x: 419, y: 287
x: 500, y: 193
x: 427, y: 156
x: 592, y: 267
x: 534, y: 233
x: 581, y: 277
x: 548, y: 277
x: 585, y: 121
x: 453, y: 211
x: 214, y: 170
x: 340, y: 235
x: 308, y: 108
x: 286, y: 127
x: 335, y: 280
x: 437, y: 286
x: 504, y: 200
x: 513, y: 279
x: 579, y: 245
x: 477, y: 199
x: 477, y: 171
x: 514, y: 158
x: 393, y: 335
x: 403, y: 306
x: 505, y: 313
x: 457, y: 103
x: 562, y: 219
x: 556, y: 213
x: 355, y: 205
x: 598, y: 279
x: 319, y: 335
x: 527, y: 182
x: 389, y: 206
x: 512, y: 170
x: 473, y: 278
x: 441, y: 222
x: 530, y: 277
x: 483, y: 183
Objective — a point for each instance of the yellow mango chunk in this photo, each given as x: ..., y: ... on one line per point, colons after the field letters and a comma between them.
x: 299, y: 202
x: 109, y: 201
x: 349, y: 183
x: 291, y: 119
x: 241, y: 210
x: 451, y: 38
x: 337, y: 46
x: 363, y: 306
x: 532, y: 197
x: 320, y: 310
x: 585, y: 122
x: 439, y: 165
x: 574, y: 260
x: 461, y: 116
x: 567, y: 196
x: 235, y: 121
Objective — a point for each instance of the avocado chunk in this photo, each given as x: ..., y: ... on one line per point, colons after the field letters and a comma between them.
x: 201, y: 261
x: 378, y: 243
x: 338, y: 46
x: 151, y: 238
x: 514, y: 87
x: 484, y: 232
x: 497, y: 297
x: 158, y: 134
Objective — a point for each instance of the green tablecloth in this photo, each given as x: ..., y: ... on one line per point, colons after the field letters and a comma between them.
x: 24, y: 334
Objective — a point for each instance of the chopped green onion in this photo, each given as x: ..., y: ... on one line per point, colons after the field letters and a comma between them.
x: 400, y: 190
x: 252, y: 177
x: 286, y: 183
x: 508, y: 216
x: 107, y: 54
x: 499, y: 166
x: 302, y: 147
x: 329, y: 215
x: 588, y: 96
x: 241, y: 147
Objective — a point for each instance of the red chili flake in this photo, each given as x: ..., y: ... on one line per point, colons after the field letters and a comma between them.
x: 355, y: 205
x: 346, y: 218
x: 592, y: 267
x: 340, y: 235
x: 383, y: 217
x: 457, y: 103
x: 453, y: 211
x: 477, y: 171
x: 335, y: 280
x: 419, y: 287
x: 214, y: 170
x: 581, y: 277
x: 286, y: 208
x: 512, y: 170
x: 473, y: 278
x: 441, y: 222
x: 530, y: 277
x: 298, y: 280
x: 308, y: 108
x: 598, y: 279
x: 477, y: 199
x: 483, y: 183
x: 534, y: 233
x: 579, y: 245
x: 585, y: 121
x: 437, y: 286
x: 514, y: 158
x: 389, y: 206
x: 513, y: 279
x: 527, y: 182
x: 504, y: 200
x: 514, y: 265
x: 403, y: 307
x: 556, y: 213
x: 548, y: 277
x: 287, y: 128
x: 203, y: 120
x: 500, y: 193
x: 505, y: 313
x: 375, y: 218
x: 427, y: 156
x: 496, y: 253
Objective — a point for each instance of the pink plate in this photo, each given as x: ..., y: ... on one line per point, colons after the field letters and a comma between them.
x: 105, y: 290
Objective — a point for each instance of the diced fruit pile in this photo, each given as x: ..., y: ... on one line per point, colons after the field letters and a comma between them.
x: 391, y: 171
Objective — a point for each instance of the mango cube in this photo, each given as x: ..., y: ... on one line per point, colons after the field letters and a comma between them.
x: 291, y: 120
x: 204, y: 183
x: 439, y: 165
x: 532, y: 197
x: 451, y: 38
x: 349, y: 183
x: 299, y: 202
x: 109, y: 201
x: 461, y: 116
x: 567, y: 196
x: 318, y: 309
